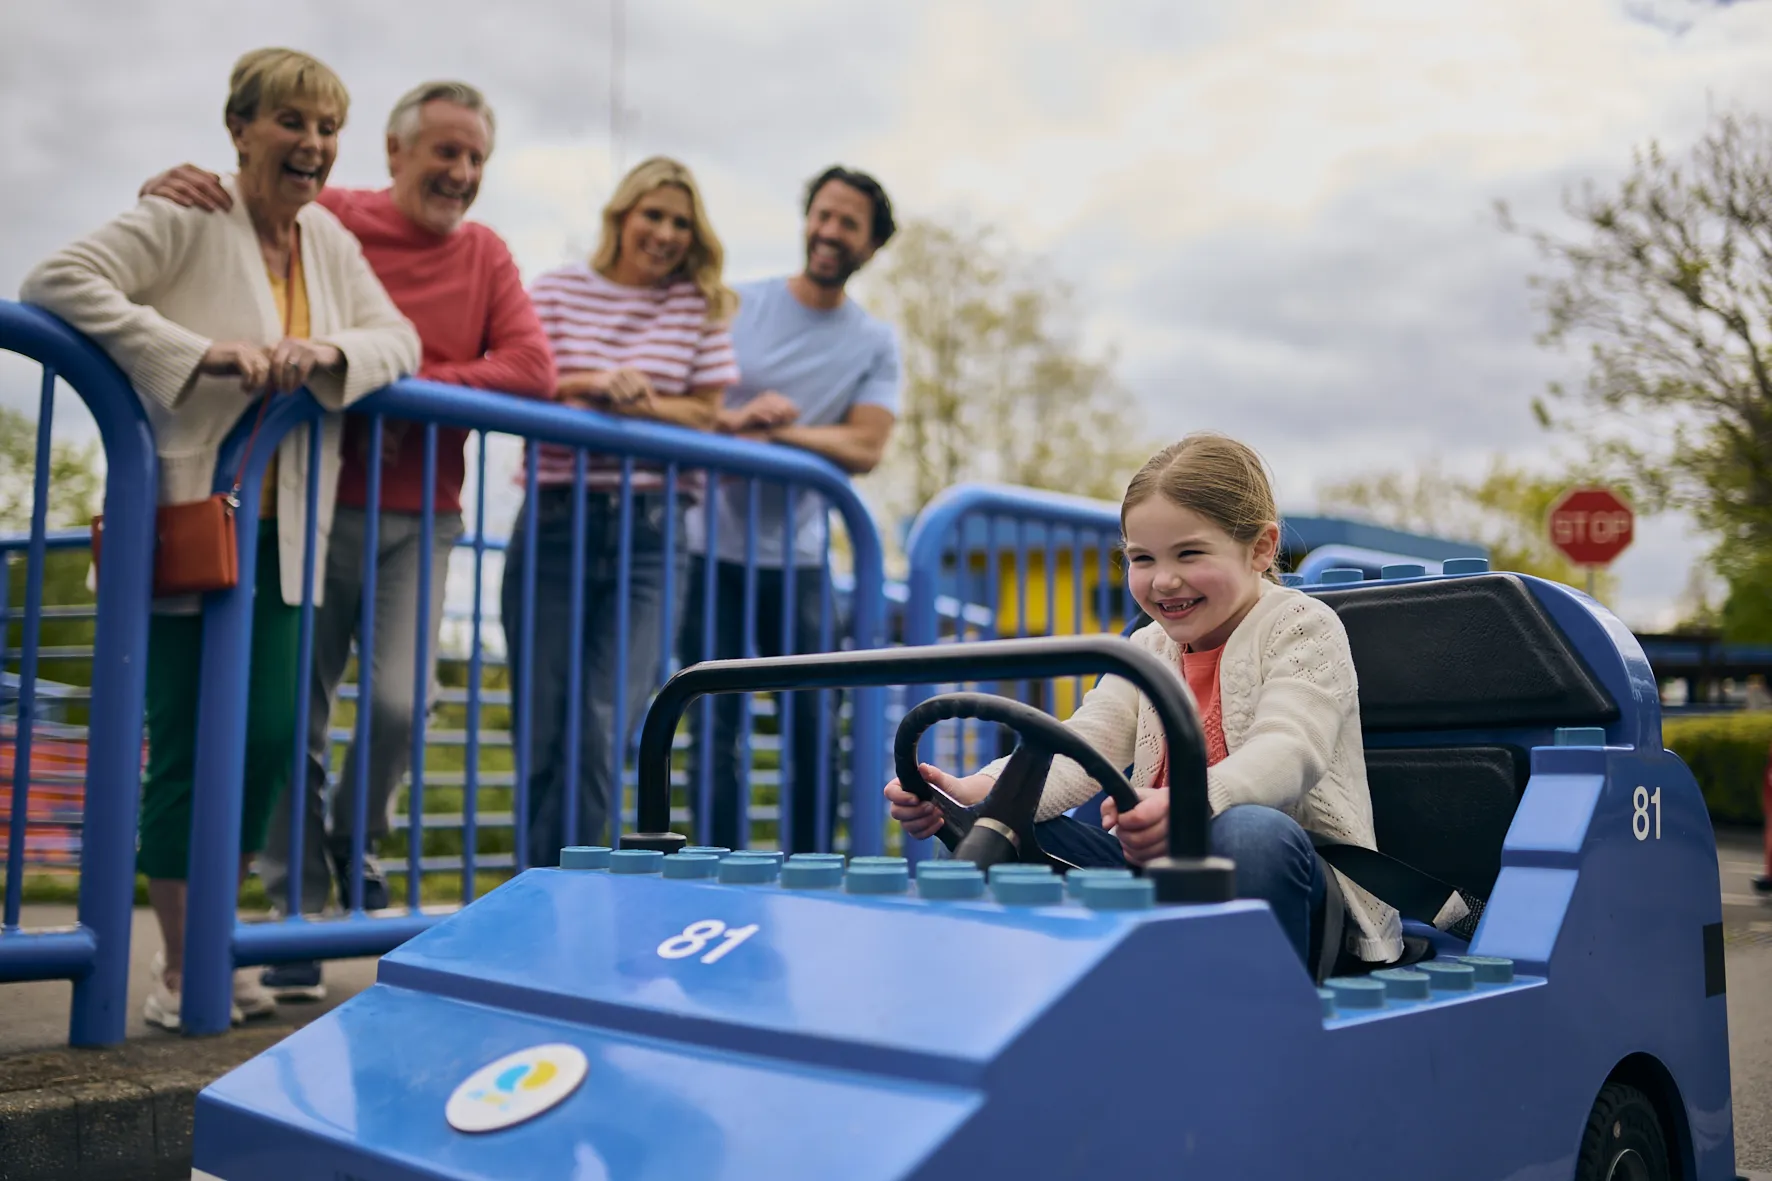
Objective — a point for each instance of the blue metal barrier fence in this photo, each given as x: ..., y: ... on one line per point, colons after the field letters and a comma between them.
x: 1019, y: 562
x: 95, y: 954
x: 215, y: 942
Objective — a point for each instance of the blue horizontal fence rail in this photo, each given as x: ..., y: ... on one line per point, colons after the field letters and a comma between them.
x: 991, y: 561
x: 95, y: 954
x: 215, y: 943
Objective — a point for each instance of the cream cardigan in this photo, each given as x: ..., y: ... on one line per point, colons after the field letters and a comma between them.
x: 158, y: 285
x: 1291, y: 709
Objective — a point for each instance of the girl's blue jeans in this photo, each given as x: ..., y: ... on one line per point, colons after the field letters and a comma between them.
x: 1275, y: 861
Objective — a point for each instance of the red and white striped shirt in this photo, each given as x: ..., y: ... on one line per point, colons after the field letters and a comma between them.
x: 596, y: 324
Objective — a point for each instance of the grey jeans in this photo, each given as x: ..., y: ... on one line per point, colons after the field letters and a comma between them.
x: 329, y: 824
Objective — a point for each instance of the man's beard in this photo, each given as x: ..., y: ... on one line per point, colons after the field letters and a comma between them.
x: 846, y: 266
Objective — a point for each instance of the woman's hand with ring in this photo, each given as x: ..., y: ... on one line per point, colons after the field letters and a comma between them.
x: 294, y: 360
x: 251, y: 363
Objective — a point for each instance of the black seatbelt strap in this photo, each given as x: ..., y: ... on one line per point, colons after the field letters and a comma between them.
x: 1414, y: 894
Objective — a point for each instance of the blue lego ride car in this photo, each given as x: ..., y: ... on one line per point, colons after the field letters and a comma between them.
x: 651, y: 1012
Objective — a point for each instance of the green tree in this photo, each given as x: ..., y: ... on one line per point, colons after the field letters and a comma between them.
x: 1504, y: 510
x: 76, y: 492
x: 1668, y: 285
x: 76, y: 476
x: 996, y: 384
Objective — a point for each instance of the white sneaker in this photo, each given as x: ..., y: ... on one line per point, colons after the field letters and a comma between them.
x: 163, y: 1003
x: 250, y: 996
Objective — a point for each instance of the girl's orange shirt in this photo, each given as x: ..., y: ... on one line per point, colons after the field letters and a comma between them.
x: 1200, y: 671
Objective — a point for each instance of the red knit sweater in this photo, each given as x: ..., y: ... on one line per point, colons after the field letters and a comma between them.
x: 464, y: 295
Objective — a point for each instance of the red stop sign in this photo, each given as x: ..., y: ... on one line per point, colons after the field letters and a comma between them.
x: 1591, y: 526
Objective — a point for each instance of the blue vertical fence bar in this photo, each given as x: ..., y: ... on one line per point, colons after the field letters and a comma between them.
x: 470, y: 794
x: 824, y: 809
x: 26, y: 719
x: 623, y: 725
x: 788, y: 782
x: 746, y: 759
x: 421, y: 674
x: 365, y: 655
x: 95, y: 955
x: 704, y: 724
x: 575, y: 642
x: 525, y: 693
x: 298, y: 780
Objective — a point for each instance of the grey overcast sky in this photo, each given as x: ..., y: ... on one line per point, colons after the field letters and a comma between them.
x: 1277, y: 212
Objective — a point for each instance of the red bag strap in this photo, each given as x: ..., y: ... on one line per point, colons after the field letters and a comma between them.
x: 288, y: 323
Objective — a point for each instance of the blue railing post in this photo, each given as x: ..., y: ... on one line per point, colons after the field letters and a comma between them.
x: 96, y: 955
x: 212, y: 885
x: 25, y: 725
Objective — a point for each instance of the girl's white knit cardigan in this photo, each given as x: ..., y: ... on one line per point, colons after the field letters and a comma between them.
x: 1291, y: 709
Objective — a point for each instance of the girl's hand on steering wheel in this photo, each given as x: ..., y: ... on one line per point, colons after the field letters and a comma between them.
x: 922, y: 819
x: 1144, y: 831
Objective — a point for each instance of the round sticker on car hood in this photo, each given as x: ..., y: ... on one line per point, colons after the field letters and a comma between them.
x: 517, y: 1087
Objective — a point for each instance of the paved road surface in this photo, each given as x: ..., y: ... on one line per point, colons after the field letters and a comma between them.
x: 35, y: 1015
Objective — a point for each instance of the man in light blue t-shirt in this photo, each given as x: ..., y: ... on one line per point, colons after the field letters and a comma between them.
x: 816, y: 372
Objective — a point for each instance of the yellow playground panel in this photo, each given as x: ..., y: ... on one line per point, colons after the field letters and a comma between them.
x: 1063, y: 619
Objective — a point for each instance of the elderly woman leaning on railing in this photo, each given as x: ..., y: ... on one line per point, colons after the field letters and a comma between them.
x: 203, y: 312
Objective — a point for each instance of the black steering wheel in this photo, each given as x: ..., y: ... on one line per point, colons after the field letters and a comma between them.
x: 1000, y: 827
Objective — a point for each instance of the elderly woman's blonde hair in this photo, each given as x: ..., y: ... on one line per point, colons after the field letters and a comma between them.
x: 266, y: 79
x: 705, y: 258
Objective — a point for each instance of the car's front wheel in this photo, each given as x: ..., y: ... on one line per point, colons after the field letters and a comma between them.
x: 1623, y: 1140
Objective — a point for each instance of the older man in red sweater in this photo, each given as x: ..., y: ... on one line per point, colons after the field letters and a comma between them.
x: 457, y: 283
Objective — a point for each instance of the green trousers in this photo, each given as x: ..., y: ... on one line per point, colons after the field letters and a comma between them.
x: 175, y: 662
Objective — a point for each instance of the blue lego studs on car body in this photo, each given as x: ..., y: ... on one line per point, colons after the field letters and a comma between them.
x: 634, y: 861
x: 1465, y: 566
x: 1076, y: 878
x: 584, y: 857
x: 811, y: 875
x: 690, y: 865
x: 1402, y: 570
x: 1446, y: 976
x: 1027, y: 889
x: 1490, y: 969
x: 715, y: 850
x: 1108, y: 893
x: 877, y: 879
x: 953, y: 884
x: 1356, y: 992
x: 1403, y: 984
x: 1010, y: 869
x: 745, y: 869
x: 1341, y: 574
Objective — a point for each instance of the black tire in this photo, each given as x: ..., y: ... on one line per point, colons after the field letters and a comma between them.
x: 1623, y: 1140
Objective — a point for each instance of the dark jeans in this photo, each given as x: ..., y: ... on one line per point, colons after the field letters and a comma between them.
x: 811, y: 745
x: 545, y: 707
x: 1275, y: 861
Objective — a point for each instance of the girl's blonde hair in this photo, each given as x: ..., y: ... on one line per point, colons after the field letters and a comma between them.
x: 1211, y: 474
x: 702, y: 264
x: 271, y: 78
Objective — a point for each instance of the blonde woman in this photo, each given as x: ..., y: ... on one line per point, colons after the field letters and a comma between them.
x: 640, y: 331
x: 204, y: 312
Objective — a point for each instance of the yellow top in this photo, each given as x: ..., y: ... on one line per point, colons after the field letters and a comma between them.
x: 297, y: 319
